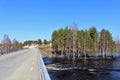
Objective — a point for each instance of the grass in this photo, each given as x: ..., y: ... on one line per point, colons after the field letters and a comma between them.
x: 46, y: 51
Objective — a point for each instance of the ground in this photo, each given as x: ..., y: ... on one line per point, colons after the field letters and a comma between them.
x: 47, y: 51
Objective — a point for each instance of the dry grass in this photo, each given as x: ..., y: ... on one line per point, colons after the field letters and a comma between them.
x: 47, y: 51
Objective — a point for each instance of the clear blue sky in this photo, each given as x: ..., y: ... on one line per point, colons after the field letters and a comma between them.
x: 34, y: 19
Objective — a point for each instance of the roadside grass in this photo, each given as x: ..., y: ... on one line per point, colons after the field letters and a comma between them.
x: 46, y: 51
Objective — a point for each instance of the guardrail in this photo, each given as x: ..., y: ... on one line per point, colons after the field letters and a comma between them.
x: 43, y: 71
x: 2, y: 52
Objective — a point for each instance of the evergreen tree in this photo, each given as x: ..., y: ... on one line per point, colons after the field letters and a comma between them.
x: 73, y: 42
x: 94, y: 39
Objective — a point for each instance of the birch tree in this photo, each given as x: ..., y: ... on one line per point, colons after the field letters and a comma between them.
x: 6, y: 43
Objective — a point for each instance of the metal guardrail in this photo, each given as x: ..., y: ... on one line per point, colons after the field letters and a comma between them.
x: 43, y: 71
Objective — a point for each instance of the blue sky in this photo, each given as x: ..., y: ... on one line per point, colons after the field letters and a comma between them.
x: 34, y: 19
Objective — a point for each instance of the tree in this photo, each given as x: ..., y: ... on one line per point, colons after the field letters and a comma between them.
x: 16, y: 44
x: 55, y: 41
x: 68, y: 42
x: 116, y: 45
x: 107, y: 43
x: 80, y: 42
x: 73, y: 42
x: 39, y: 41
x: 45, y: 42
x: 102, y: 42
x: 6, y: 42
x: 94, y: 38
x: 30, y: 42
x: 74, y: 39
x: 86, y: 42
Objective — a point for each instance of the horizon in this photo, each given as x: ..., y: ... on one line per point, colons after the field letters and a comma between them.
x: 33, y: 20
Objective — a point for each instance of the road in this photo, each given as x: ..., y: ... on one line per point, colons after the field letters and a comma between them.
x: 21, y: 65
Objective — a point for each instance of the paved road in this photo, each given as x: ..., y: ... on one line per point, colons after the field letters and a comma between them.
x: 21, y: 65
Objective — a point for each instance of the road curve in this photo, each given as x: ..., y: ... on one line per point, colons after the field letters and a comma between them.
x: 21, y: 65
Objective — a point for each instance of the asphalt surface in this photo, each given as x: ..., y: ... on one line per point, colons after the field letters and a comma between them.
x: 21, y: 65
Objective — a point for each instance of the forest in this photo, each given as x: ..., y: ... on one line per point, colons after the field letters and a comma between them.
x: 74, y: 43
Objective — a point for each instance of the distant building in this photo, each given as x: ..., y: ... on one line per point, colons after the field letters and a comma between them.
x: 50, y: 44
x: 31, y: 46
x: 27, y: 46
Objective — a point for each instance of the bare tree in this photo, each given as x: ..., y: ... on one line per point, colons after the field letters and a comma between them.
x: 103, y: 40
x: 117, y: 45
x: 74, y: 39
x: 6, y: 43
x: 15, y: 44
x: 85, y: 43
